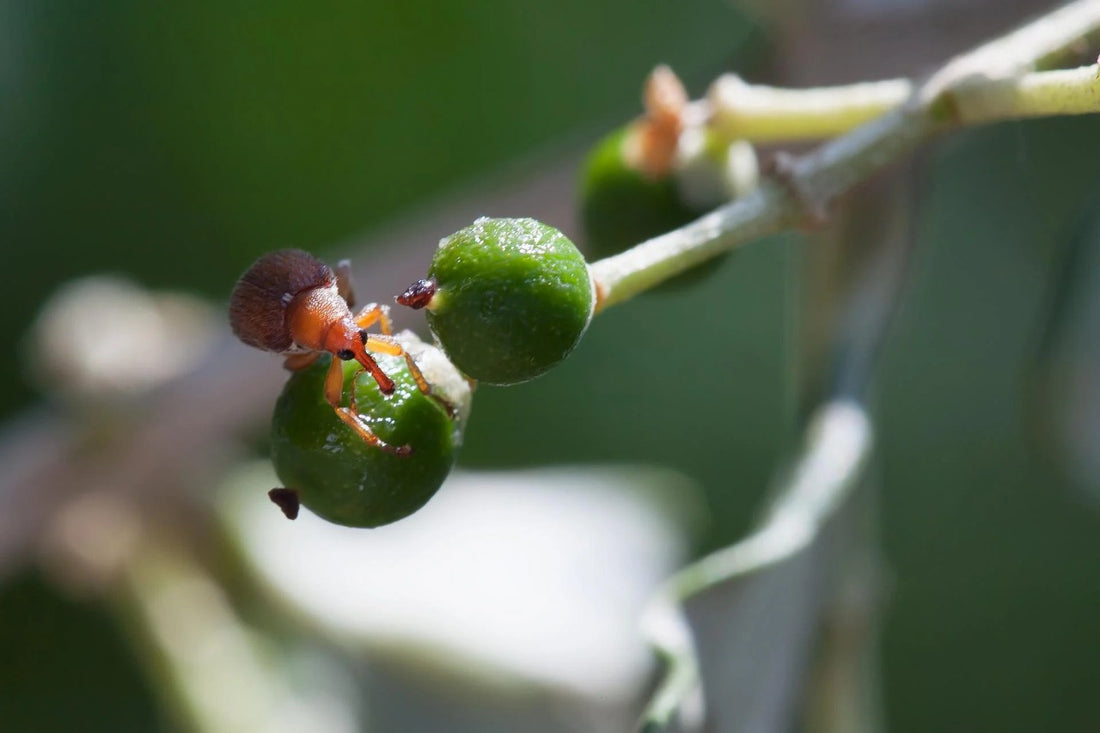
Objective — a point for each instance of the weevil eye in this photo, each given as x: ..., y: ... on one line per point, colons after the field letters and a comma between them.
x: 345, y: 354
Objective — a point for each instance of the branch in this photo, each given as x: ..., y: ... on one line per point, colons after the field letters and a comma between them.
x: 1042, y: 94
x: 737, y: 110
x: 837, y: 446
x: 988, y: 84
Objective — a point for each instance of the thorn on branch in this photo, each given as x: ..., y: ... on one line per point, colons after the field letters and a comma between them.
x: 782, y: 166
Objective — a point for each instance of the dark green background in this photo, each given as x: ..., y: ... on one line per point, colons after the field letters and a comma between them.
x: 175, y: 142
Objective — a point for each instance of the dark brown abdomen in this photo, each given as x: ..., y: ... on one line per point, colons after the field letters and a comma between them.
x: 257, y: 308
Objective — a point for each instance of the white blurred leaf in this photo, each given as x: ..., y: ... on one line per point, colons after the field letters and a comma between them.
x: 532, y: 578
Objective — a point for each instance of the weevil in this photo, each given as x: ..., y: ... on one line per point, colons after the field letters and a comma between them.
x: 291, y: 303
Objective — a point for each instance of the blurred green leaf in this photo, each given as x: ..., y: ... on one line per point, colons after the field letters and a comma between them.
x: 176, y: 142
x: 67, y: 665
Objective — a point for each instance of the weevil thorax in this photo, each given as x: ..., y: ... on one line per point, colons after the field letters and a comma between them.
x: 319, y: 320
x: 259, y: 308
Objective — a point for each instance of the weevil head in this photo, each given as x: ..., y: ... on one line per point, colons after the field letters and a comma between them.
x: 346, y: 341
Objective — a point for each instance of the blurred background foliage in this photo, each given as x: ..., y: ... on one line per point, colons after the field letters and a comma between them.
x: 175, y: 142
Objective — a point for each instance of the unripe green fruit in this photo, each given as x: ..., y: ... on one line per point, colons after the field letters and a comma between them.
x: 512, y: 297
x: 621, y: 207
x: 342, y: 478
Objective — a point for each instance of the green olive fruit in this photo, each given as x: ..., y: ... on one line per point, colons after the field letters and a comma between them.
x: 621, y: 207
x: 509, y: 299
x: 335, y: 473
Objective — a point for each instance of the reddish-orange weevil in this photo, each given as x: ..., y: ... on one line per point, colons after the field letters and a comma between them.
x: 291, y: 303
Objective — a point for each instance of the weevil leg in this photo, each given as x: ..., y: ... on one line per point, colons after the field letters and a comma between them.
x: 298, y: 362
x: 385, y: 344
x: 343, y: 282
x: 334, y: 389
x: 375, y: 313
x: 353, y: 421
x: 287, y: 500
x: 380, y: 343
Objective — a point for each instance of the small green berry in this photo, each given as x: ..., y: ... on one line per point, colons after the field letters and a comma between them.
x: 328, y: 468
x: 620, y: 206
x: 507, y: 298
